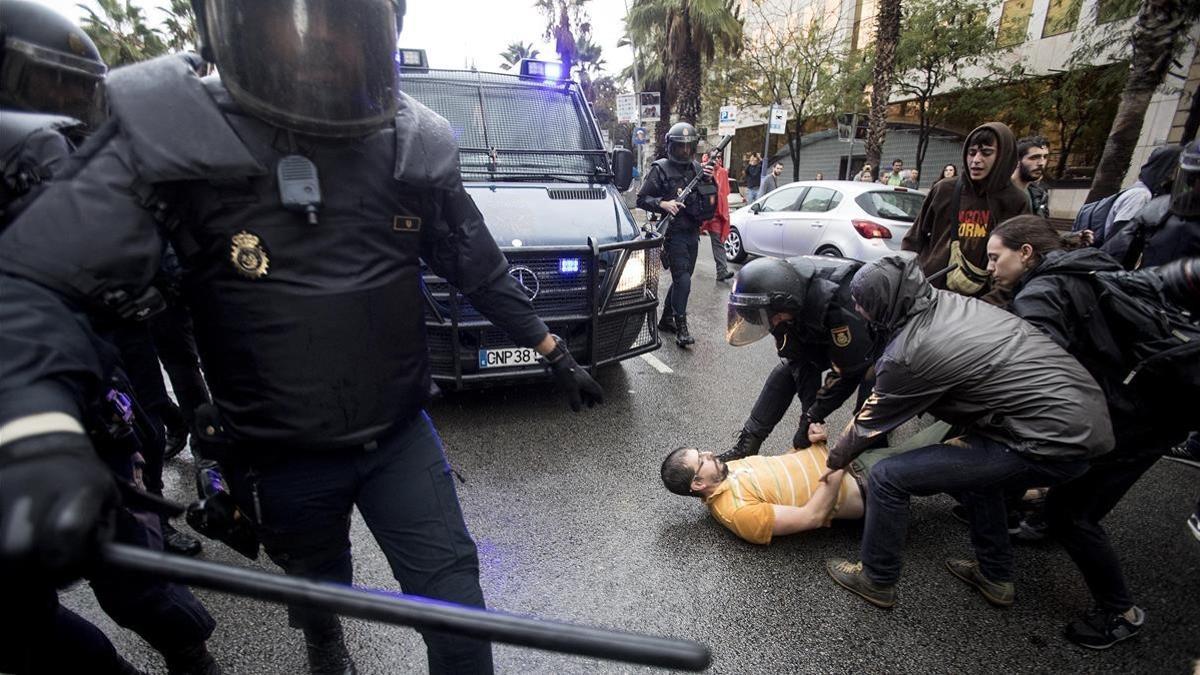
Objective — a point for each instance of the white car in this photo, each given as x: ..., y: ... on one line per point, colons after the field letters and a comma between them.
x: 864, y: 221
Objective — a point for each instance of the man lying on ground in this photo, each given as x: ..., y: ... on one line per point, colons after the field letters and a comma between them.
x: 761, y: 497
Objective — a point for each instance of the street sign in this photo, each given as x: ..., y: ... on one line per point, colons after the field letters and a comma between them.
x: 727, y: 124
x: 626, y: 108
x: 640, y: 137
x: 649, y: 106
x: 778, y: 119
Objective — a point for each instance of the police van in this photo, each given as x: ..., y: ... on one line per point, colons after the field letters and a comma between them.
x: 533, y: 161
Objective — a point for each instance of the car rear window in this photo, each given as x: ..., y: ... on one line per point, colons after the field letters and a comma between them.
x: 891, y: 204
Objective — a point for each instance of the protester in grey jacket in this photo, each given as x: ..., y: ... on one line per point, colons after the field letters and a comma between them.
x: 1028, y: 414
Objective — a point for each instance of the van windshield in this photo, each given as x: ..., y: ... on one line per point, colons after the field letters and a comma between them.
x: 513, y: 129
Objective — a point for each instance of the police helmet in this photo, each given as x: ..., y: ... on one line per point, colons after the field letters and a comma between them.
x: 681, y: 143
x: 47, y: 63
x: 320, y: 67
x: 763, y: 287
x: 1185, y: 195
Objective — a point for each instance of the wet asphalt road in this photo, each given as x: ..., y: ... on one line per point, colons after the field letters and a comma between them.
x: 572, y: 523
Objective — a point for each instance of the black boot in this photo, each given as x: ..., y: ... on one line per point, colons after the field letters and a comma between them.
x: 327, y: 654
x: 177, y: 542
x: 191, y: 660
x: 682, y: 337
x: 667, y: 323
x: 747, y: 444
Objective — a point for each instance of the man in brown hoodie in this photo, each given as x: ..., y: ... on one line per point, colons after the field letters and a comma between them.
x: 958, y: 215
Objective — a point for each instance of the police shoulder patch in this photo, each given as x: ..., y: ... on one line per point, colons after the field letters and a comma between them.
x: 841, y: 336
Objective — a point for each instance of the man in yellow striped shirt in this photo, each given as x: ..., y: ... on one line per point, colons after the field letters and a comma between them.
x: 761, y: 497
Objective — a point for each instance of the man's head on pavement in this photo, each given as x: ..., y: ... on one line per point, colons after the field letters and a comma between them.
x: 1032, y: 153
x: 889, y: 291
x: 691, y: 473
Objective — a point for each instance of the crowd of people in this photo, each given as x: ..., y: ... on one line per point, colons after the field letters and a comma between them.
x: 1058, y: 373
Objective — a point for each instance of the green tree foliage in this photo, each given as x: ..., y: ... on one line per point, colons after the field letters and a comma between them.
x: 516, y: 51
x: 685, y: 34
x: 566, y: 22
x: 124, y: 34
x: 939, y: 41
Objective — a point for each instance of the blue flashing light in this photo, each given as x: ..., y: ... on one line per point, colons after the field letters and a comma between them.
x: 547, y: 71
x: 568, y: 265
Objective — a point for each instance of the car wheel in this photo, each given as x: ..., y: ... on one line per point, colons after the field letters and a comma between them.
x: 734, y: 250
x: 830, y: 251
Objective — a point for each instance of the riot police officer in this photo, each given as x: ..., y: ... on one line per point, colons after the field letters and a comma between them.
x: 50, y: 73
x: 302, y: 201
x: 664, y: 181
x: 804, y: 303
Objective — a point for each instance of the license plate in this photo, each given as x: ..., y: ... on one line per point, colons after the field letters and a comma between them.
x: 507, y: 358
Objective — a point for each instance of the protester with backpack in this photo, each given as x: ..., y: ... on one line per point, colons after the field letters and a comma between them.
x: 1149, y: 368
x: 1168, y: 228
x: 1106, y: 217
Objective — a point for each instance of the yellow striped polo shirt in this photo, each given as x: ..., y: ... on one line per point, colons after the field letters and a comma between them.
x: 743, y: 502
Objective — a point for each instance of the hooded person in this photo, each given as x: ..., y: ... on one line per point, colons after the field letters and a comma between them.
x: 1026, y: 415
x: 953, y: 226
x: 1167, y: 228
x: 1154, y: 179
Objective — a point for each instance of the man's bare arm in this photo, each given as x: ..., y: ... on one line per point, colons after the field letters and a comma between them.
x: 817, y: 513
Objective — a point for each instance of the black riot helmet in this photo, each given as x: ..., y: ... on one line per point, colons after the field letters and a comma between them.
x: 47, y: 63
x: 1185, y: 194
x: 763, y: 287
x: 320, y: 67
x: 681, y: 143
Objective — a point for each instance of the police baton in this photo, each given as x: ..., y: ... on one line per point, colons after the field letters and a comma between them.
x: 413, y: 611
x: 688, y: 189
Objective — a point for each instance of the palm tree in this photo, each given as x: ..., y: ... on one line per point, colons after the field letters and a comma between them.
x: 887, y: 36
x: 1160, y: 27
x: 515, y: 52
x: 566, y: 22
x: 688, y: 33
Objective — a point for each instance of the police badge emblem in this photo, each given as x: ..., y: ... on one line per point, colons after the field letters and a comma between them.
x: 248, y: 256
x: 841, y: 336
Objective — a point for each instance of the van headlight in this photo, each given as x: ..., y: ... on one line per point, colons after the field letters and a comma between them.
x: 633, y: 274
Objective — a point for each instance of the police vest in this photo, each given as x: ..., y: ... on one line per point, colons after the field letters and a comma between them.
x: 311, y: 334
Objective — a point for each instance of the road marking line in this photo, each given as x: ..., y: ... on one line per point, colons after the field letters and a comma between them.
x: 658, y: 365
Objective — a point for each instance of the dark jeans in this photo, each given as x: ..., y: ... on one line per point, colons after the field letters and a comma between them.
x: 1074, y: 511
x: 787, y: 380
x: 977, y: 469
x: 681, y: 249
x: 39, y: 636
x: 403, y: 488
x: 175, y: 342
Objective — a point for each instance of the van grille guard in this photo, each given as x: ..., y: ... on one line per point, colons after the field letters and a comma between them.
x: 579, y: 291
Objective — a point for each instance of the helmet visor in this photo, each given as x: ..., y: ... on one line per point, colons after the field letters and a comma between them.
x: 323, y: 67
x: 681, y: 151
x: 47, y: 81
x: 747, y: 320
x: 1185, y: 194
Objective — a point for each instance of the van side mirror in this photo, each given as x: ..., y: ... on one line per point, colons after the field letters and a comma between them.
x: 622, y: 166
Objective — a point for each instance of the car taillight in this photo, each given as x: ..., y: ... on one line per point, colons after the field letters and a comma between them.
x: 869, y: 230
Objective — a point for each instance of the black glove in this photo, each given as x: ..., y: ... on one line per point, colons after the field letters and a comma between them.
x: 57, y: 503
x: 574, y: 381
x: 800, y: 440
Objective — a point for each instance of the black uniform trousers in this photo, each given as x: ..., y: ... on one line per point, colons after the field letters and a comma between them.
x: 681, y: 248
x: 403, y: 488
x: 792, y: 378
x: 175, y: 342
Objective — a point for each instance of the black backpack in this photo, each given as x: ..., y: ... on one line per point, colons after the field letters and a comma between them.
x: 1160, y: 340
x: 1092, y: 216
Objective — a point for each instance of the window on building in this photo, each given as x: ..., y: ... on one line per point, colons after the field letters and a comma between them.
x: 1061, y: 17
x: 1115, y: 10
x: 1014, y: 22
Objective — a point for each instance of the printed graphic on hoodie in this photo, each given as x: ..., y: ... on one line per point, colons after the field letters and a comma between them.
x: 973, y: 223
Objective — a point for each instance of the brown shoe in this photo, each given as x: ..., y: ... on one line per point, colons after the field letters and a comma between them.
x: 999, y: 593
x: 850, y: 576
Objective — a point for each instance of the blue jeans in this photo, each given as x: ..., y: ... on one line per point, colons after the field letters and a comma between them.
x: 751, y: 194
x: 976, y: 469
x: 403, y: 488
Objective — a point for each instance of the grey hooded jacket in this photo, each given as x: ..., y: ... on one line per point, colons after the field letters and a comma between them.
x: 973, y: 365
